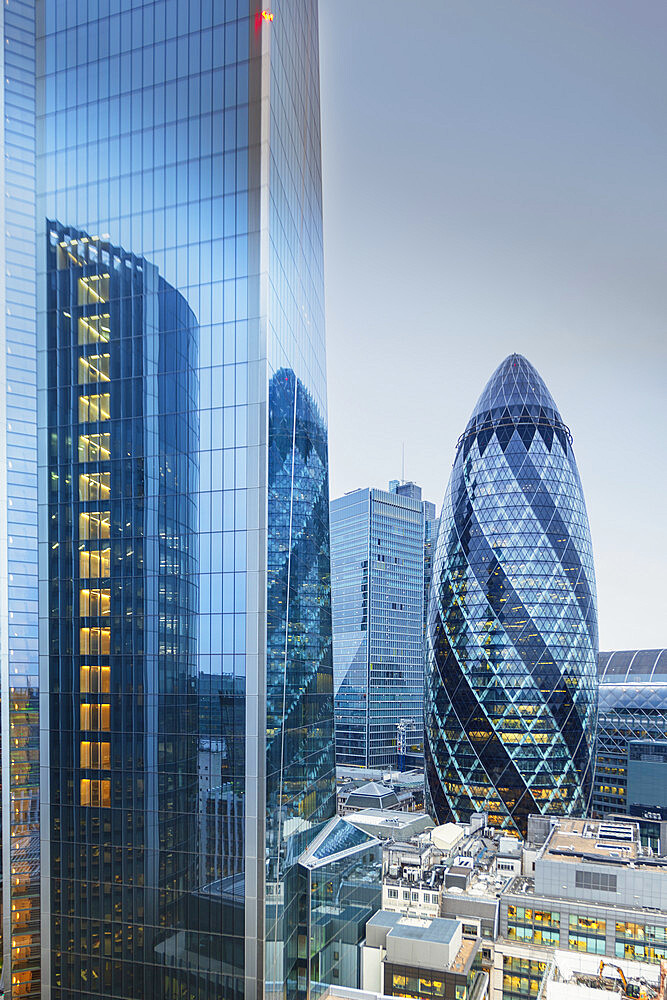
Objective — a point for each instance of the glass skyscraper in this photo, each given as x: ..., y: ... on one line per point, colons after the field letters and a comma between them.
x: 19, y: 662
x: 186, y: 708
x: 511, y: 677
x: 632, y: 706
x: 377, y: 566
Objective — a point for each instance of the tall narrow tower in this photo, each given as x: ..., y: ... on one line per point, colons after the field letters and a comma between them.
x: 184, y: 533
x: 511, y: 685
x: 19, y: 666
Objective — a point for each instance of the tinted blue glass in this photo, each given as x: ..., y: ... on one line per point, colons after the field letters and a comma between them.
x: 511, y: 688
x: 186, y: 398
x: 378, y: 573
x: 18, y: 503
x: 632, y: 705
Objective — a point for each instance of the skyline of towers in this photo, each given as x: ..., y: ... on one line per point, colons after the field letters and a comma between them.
x: 511, y: 675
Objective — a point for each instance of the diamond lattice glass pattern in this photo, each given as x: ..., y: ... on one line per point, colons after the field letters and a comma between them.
x: 511, y: 687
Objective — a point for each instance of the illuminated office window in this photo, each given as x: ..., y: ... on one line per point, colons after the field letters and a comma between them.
x: 96, y: 755
x: 94, y: 641
x: 96, y: 717
x: 94, y: 329
x: 95, y: 793
x: 94, y: 525
x: 95, y: 603
x: 95, y: 680
x: 94, y: 368
x: 94, y: 563
x: 94, y: 447
x: 95, y: 486
x: 93, y: 289
x: 94, y: 407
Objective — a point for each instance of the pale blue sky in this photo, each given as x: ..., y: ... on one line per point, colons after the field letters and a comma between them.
x: 495, y: 180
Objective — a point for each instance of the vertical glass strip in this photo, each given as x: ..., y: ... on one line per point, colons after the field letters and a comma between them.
x: 18, y: 517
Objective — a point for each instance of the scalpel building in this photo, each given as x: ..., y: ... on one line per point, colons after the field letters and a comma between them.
x: 185, y: 630
x: 511, y: 675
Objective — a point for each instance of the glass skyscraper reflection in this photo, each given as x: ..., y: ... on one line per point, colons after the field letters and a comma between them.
x: 511, y: 677
x: 185, y: 632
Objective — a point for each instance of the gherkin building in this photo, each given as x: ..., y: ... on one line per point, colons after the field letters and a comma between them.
x: 511, y: 672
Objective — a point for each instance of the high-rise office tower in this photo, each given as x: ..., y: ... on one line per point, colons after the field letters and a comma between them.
x: 185, y: 632
x: 377, y: 572
x: 511, y: 676
x: 19, y: 666
x: 632, y: 706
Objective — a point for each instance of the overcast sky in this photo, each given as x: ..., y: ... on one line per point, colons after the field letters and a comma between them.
x: 495, y: 180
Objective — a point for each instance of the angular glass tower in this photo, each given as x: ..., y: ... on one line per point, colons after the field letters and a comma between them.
x: 511, y: 684
x: 185, y: 633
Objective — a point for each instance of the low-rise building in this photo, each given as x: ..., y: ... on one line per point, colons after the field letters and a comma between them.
x: 417, y: 957
x: 587, y: 887
x: 372, y: 795
x: 387, y: 824
x: 595, y: 890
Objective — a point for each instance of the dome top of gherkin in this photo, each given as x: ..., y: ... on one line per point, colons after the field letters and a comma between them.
x: 515, y: 384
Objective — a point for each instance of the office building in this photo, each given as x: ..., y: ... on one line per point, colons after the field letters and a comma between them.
x: 586, y: 887
x: 632, y: 706
x: 511, y: 675
x: 19, y: 666
x: 377, y: 574
x: 421, y: 958
x: 185, y: 633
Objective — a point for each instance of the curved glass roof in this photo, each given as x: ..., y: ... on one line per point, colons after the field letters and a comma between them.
x: 633, y: 665
x: 515, y: 383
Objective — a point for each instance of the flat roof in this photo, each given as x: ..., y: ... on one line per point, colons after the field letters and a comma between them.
x: 605, y: 841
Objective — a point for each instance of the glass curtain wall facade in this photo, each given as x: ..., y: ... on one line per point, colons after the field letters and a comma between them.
x: 182, y: 141
x: 632, y: 706
x: 341, y: 873
x: 377, y: 540
x: 511, y: 677
x: 122, y: 516
x: 19, y: 667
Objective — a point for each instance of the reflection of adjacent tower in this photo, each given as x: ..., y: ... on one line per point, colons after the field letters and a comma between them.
x: 511, y: 685
x: 122, y: 465
x: 300, y: 764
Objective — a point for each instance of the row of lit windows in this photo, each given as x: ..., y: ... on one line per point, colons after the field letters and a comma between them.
x: 526, y: 915
x: 94, y: 602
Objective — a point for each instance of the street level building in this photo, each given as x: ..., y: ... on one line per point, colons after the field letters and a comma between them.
x: 586, y: 887
x: 377, y: 567
x: 422, y: 958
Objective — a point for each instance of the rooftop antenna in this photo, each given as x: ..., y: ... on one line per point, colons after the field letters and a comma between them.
x: 403, y: 463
